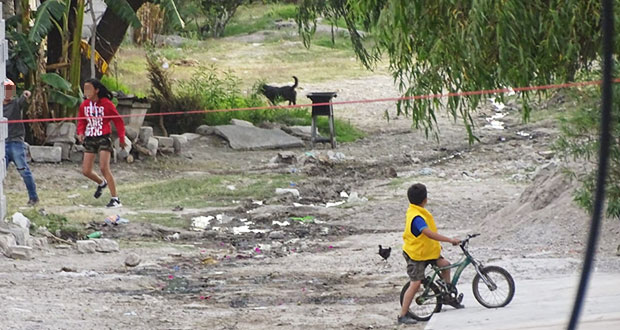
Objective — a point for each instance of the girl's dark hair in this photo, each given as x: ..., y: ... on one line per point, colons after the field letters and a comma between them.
x: 103, y: 91
x: 416, y: 194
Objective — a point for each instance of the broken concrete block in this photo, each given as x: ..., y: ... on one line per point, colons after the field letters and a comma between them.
x: 131, y: 133
x: 86, y: 246
x: 191, y: 136
x: 60, y: 132
x: 122, y: 153
x: 146, y: 133
x: 204, y: 130
x: 179, y: 143
x: 44, y: 154
x: 132, y: 260
x: 65, y: 149
x: 21, y: 235
x: 5, y: 242
x: 20, y: 252
x: 38, y: 243
x: 165, y: 142
x: 106, y: 245
x: 239, y: 122
x: 152, y: 145
x: 20, y: 220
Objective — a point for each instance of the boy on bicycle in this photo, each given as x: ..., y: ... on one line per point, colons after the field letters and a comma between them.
x: 421, y: 248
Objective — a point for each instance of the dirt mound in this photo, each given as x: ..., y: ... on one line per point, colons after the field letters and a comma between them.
x: 546, y: 219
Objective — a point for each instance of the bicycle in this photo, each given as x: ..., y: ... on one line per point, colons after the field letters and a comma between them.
x: 436, y: 292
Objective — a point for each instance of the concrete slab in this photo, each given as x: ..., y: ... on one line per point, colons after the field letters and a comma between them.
x: 252, y: 138
x: 537, y: 305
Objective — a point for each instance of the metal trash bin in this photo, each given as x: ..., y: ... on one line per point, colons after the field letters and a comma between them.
x: 322, y: 110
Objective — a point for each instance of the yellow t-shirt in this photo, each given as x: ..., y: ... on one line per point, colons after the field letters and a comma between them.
x: 420, y: 247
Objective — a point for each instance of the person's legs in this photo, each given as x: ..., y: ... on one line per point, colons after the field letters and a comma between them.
x: 104, y: 166
x: 445, y: 274
x: 87, y: 168
x: 414, y: 286
x: 18, y: 156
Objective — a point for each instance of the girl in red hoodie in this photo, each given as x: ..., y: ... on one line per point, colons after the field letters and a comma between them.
x: 93, y: 129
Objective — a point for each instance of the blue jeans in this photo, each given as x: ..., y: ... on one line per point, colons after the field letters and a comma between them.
x: 15, y: 151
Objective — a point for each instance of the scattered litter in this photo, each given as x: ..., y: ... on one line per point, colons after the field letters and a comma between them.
x: 307, y: 218
x: 231, y: 187
x: 331, y: 246
x: 114, y: 220
x: 96, y: 234
x: 302, y: 205
x: 246, y: 229
x: 243, y: 220
x: 258, y: 250
x: 494, y: 124
x: 209, y: 261
x: 281, y: 191
x: 257, y: 202
x: 201, y: 222
x: 426, y: 171
x: 170, y: 277
x: 336, y: 156
x: 329, y: 204
x: 344, y: 194
x: 132, y: 313
x: 498, y: 105
x: 354, y: 198
x: 173, y: 237
x: 72, y: 196
x: 292, y: 184
x: 522, y: 133
x: 280, y: 223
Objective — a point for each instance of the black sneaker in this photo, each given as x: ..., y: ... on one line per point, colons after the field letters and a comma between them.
x: 406, y: 319
x: 33, y: 202
x: 114, y: 203
x: 100, y: 188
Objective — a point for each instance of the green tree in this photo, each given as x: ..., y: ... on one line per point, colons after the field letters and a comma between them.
x: 454, y: 46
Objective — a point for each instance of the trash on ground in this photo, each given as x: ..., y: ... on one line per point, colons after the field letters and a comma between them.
x: 307, y: 218
x: 330, y: 204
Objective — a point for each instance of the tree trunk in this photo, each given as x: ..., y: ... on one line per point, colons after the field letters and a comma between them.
x: 111, y: 32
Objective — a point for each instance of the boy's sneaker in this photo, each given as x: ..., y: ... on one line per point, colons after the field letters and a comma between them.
x: 100, y: 188
x: 406, y: 319
x: 114, y: 203
x: 33, y: 202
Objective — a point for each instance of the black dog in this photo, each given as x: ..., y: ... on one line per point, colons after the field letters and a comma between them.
x: 274, y: 94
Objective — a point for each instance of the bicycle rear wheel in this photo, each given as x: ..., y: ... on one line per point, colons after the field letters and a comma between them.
x: 423, y: 310
x: 497, y: 288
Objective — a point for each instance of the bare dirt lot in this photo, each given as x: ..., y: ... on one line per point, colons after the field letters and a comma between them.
x: 285, y: 263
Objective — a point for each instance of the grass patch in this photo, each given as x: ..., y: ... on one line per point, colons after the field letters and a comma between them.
x: 254, y: 18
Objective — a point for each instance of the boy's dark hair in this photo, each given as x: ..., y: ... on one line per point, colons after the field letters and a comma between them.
x: 103, y: 91
x: 416, y: 194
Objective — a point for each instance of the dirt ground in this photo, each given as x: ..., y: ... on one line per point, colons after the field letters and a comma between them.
x: 325, y: 273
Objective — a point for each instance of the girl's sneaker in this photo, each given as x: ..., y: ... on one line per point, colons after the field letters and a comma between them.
x: 114, y: 203
x: 100, y: 188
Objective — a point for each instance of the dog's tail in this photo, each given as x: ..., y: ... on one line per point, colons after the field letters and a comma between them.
x: 296, y: 81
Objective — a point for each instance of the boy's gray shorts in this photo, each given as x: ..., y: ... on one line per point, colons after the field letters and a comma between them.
x: 415, y: 268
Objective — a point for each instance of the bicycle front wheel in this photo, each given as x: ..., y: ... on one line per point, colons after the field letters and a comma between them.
x: 422, y: 309
x: 493, y: 287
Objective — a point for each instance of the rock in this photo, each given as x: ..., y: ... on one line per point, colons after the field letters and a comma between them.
x: 239, y: 122
x: 286, y: 157
x: 86, y: 246
x: 122, y: 153
x: 131, y: 133
x: 426, y: 171
x: 191, y: 136
x: 355, y: 199
x: 106, y: 245
x: 204, y: 130
x: 132, y: 260
x: 547, y: 154
x: 38, y: 243
x: 5, y: 242
x: 165, y: 142
x: 21, y: 235
x: 65, y: 148
x: 153, y: 146
x: 77, y: 153
x: 252, y: 138
x: 304, y: 132
x: 335, y: 156
x: 278, y: 234
x: 391, y: 172
x: 20, y: 252
x: 21, y: 220
x: 281, y: 191
x: 179, y: 142
x: 45, y: 154
x: 146, y: 133
x: 60, y: 132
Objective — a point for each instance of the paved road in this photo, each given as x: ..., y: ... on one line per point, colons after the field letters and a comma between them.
x: 539, y: 304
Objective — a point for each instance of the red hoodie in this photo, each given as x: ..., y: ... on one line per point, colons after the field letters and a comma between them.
x: 94, y: 119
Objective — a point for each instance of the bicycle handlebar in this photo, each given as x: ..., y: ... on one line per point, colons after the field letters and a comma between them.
x: 466, y: 240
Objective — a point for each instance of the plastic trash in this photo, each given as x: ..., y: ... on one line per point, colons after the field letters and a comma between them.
x: 96, y: 234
